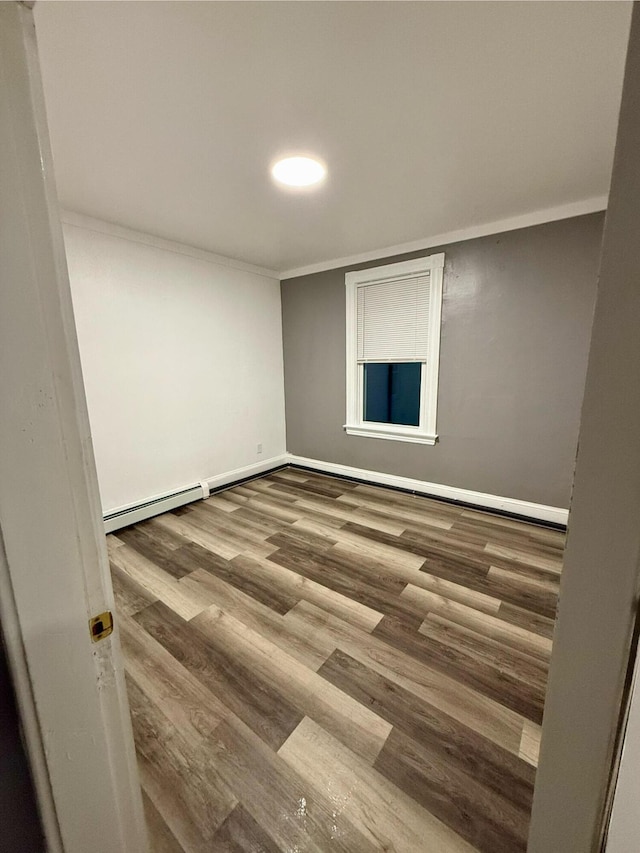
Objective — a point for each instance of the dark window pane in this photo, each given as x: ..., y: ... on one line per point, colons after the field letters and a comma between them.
x: 405, y: 393
x: 377, y: 398
x: 392, y: 393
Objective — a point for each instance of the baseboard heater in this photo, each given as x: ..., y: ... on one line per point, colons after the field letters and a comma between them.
x: 155, y: 506
x: 125, y: 515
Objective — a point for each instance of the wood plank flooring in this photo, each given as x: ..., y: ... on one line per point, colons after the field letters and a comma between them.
x: 316, y: 665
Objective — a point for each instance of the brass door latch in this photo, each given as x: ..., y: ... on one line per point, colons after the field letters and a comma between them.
x: 101, y: 626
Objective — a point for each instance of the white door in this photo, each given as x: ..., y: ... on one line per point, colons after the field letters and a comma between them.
x: 623, y: 834
x: 53, y: 566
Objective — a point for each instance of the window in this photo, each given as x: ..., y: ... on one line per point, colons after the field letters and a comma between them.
x: 393, y: 348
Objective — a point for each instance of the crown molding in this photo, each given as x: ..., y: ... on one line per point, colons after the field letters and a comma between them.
x: 526, y: 220
x: 90, y: 223
x: 537, y: 217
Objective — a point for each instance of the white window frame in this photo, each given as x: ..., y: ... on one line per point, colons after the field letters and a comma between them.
x: 425, y: 432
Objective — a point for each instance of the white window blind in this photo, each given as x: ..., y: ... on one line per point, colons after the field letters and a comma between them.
x: 393, y: 320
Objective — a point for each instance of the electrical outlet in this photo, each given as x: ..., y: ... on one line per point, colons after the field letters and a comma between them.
x: 260, y: 448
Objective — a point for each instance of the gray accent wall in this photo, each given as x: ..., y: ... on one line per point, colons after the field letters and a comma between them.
x: 516, y: 324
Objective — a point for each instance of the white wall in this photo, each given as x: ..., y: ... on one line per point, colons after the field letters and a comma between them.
x: 182, y: 361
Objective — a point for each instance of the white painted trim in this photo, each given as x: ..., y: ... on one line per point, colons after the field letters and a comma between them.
x: 131, y: 513
x: 247, y: 471
x: 123, y: 516
x: 19, y: 668
x: 431, y: 370
x: 90, y: 223
x: 71, y: 692
x: 525, y: 220
x: 426, y: 432
x: 391, y: 434
x: 540, y: 512
x: 400, y: 269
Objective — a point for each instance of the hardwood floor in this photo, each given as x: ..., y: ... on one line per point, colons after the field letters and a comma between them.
x: 318, y: 665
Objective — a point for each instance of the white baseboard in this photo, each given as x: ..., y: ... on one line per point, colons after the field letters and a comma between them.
x: 123, y: 516
x: 157, y: 504
x: 248, y: 471
x: 539, y: 512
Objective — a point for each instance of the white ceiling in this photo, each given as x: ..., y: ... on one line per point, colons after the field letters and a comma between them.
x: 432, y: 117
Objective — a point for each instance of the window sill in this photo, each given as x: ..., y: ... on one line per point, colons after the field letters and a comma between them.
x: 370, y: 431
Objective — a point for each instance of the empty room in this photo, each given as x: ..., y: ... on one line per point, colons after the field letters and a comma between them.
x: 299, y: 330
